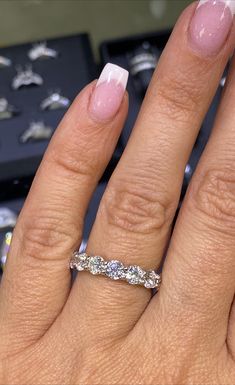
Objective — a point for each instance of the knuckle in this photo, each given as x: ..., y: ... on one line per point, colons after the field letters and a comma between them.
x: 135, y: 208
x: 72, y: 163
x: 47, y: 235
x: 214, y: 196
x: 177, y: 98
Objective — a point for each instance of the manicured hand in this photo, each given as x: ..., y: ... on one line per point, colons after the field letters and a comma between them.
x: 102, y: 331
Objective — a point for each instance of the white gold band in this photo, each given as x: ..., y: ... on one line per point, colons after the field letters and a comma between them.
x: 115, y: 270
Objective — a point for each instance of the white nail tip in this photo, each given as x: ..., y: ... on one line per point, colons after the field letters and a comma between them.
x: 231, y: 5
x: 113, y: 72
x: 228, y: 3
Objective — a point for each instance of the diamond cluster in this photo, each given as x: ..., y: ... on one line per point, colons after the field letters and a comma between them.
x: 115, y: 270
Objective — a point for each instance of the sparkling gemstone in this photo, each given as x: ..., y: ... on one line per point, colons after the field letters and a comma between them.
x: 135, y: 275
x: 96, y: 265
x: 5, y: 248
x: 152, y: 280
x: 79, y: 261
x: 115, y: 270
x: 7, y: 218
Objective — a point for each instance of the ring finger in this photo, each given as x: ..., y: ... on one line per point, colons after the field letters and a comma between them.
x: 136, y: 212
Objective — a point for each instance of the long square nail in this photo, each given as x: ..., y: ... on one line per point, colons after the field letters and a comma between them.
x: 108, y: 93
x: 211, y: 24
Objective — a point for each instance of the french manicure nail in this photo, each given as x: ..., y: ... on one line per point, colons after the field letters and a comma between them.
x: 108, y: 93
x: 211, y: 24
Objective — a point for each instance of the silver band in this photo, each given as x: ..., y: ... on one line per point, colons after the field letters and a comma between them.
x: 5, y: 62
x: 26, y: 77
x: 41, y: 51
x: 54, y: 102
x: 115, y: 270
x: 36, y: 131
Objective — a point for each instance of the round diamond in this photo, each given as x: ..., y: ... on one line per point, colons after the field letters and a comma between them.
x: 115, y: 270
x: 79, y: 261
x: 96, y: 265
x: 152, y: 280
x: 135, y: 275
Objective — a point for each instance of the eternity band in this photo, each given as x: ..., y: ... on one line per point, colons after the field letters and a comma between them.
x: 115, y: 270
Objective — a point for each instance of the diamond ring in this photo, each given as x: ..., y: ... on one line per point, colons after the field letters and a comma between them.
x: 41, y: 51
x: 115, y: 270
x: 36, y: 131
x: 7, y: 110
x: 55, y: 101
x: 26, y: 77
x: 5, y: 62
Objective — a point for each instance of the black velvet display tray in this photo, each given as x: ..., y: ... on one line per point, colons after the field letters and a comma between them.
x: 69, y: 72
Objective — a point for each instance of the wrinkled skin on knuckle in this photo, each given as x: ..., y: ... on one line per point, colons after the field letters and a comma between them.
x: 133, y: 208
x: 177, y: 99
x: 70, y: 163
x: 46, y: 234
x: 82, y: 155
x: 214, y: 197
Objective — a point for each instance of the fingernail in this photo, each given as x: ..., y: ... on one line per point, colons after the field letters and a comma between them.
x: 211, y: 24
x: 108, y: 93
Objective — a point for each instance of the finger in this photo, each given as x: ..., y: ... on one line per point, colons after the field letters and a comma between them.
x: 36, y: 280
x: 198, y: 278
x: 135, y: 216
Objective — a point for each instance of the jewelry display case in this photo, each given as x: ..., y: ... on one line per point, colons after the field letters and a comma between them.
x: 39, y: 81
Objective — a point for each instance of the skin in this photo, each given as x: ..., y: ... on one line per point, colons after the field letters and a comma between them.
x: 105, y: 332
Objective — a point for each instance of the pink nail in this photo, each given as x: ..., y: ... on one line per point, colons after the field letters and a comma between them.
x: 108, y: 93
x: 211, y: 24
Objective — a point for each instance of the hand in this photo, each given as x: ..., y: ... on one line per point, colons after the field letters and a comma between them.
x: 102, y: 331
